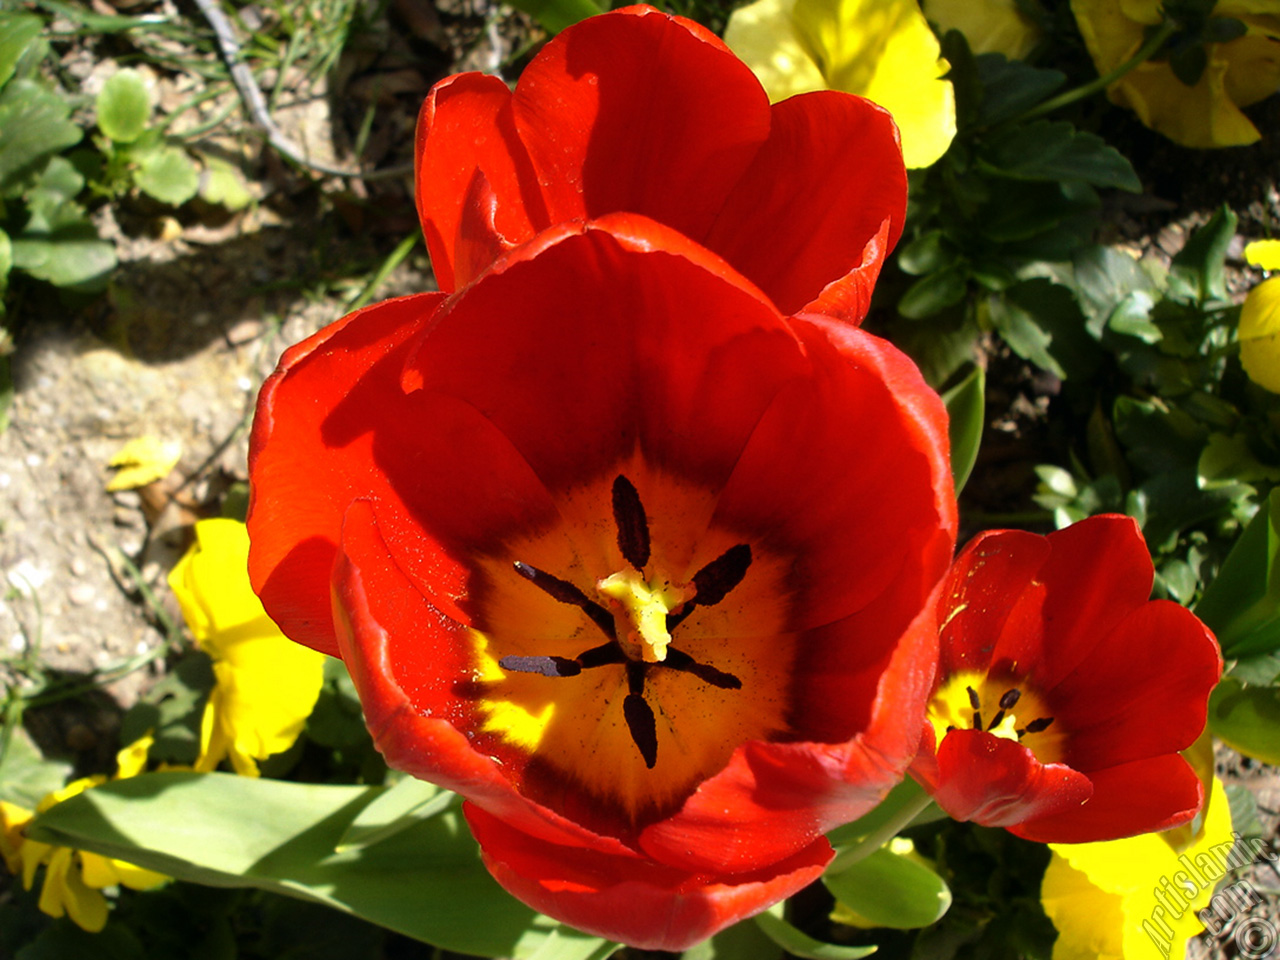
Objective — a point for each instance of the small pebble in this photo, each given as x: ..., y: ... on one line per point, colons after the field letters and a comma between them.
x: 82, y: 594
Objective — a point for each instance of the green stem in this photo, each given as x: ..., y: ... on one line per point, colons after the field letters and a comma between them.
x: 1145, y: 52
x: 878, y: 837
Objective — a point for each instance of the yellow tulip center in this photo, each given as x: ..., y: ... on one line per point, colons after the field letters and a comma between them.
x: 1009, y: 709
x: 627, y: 655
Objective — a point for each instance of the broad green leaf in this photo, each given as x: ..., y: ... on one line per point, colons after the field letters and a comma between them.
x: 1102, y: 278
x: 229, y: 831
x: 399, y: 807
x: 16, y: 31
x: 966, y: 409
x: 934, y: 293
x: 927, y: 253
x: 1242, y: 604
x: 555, y: 15
x: 1042, y: 323
x: 6, y: 264
x: 905, y: 795
x: 124, y: 108
x: 800, y: 944
x: 59, y: 941
x: 1196, y: 273
x: 889, y: 890
x: 1262, y: 670
x: 1011, y: 87
x: 1247, y: 718
x: 169, y: 175
x: 1228, y: 459
x: 35, y: 124
x: 51, y: 202
x: 26, y: 776
x: 71, y: 256
x: 742, y: 941
x: 1054, y: 150
x: 223, y: 184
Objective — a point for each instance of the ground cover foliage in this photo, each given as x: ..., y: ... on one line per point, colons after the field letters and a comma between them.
x: 1069, y: 280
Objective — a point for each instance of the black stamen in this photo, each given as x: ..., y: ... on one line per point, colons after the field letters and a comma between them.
x: 714, y: 581
x: 977, y: 720
x: 599, y: 656
x: 679, y: 660
x: 995, y: 721
x: 973, y: 698
x: 675, y: 619
x: 1035, y: 726
x: 633, y: 526
x: 644, y: 728
x: 546, y: 666
x: 635, y: 676
x: 1010, y: 699
x: 566, y: 592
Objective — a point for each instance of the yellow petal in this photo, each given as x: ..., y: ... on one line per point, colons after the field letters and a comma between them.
x: 1263, y: 254
x: 880, y: 49
x: 1259, y: 334
x: 144, y: 460
x: 12, y: 819
x: 990, y: 26
x: 64, y: 891
x: 132, y: 760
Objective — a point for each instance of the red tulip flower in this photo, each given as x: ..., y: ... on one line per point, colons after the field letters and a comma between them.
x: 1063, y: 693
x: 642, y: 112
x: 638, y: 564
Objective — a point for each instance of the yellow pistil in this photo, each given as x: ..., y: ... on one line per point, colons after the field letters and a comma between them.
x: 1009, y: 709
x: 640, y: 611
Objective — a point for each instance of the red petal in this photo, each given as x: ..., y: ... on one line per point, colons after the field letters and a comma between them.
x: 466, y: 129
x: 636, y: 902
x: 999, y: 783
x: 1140, y: 797
x: 643, y: 112
x: 334, y: 425
x: 810, y: 208
x: 1142, y: 692
x: 773, y: 799
x: 407, y: 657
x: 859, y: 446
x: 594, y: 339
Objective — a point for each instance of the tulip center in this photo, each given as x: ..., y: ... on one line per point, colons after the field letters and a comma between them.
x: 1009, y: 709
x: 633, y: 665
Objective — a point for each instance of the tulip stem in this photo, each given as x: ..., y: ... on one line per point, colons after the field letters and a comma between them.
x: 882, y: 834
x: 1145, y: 53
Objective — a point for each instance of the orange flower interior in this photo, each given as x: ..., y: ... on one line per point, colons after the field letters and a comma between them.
x: 1007, y: 708
x: 631, y: 648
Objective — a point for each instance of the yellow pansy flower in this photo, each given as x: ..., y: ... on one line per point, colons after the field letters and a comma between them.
x: 266, y: 684
x: 1137, y: 899
x: 883, y: 50
x: 1263, y: 254
x: 990, y: 26
x: 1239, y: 72
x: 1259, y: 334
x: 73, y: 879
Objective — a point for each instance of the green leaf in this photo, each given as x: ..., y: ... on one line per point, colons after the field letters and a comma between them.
x: 229, y: 831
x: 124, y: 108
x: 1042, y: 323
x: 1011, y: 87
x: 71, y: 256
x: 800, y: 944
x: 555, y: 15
x: 1054, y: 150
x: 934, y: 293
x: 1228, y: 459
x: 35, y: 124
x: 223, y: 184
x: 1246, y: 718
x: 966, y: 408
x: 1102, y: 278
x: 889, y: 890
x: 742, y: 941
x: 169, y: 175
x: 399, y: 807
x: 927, y: 253
x: 1262, y: 670
x: 26, y: 776
x: 16, y: 31
x: 6, y: 264
x: 1242, y: 604
x: 58, y: 941
x: 1197, y: 273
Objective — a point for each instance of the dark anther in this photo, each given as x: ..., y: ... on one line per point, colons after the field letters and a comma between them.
x: 1010, y: 699
x: 633, y: 526
x: 644, y: 728
x: 973, y: 698
x: 546, y: 666
x: 714, y: 581
x: 679, y: 660
x: 566, y: 592
x: 977, y: 720
x: 995, y: 721
x: 635, y: 676
x: 1035, y: 726
x: 599, y: 656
